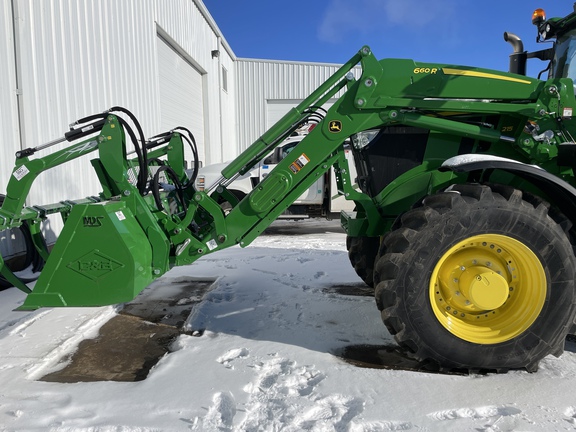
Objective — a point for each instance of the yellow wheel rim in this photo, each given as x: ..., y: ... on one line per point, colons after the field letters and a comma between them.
x: 488, y: 289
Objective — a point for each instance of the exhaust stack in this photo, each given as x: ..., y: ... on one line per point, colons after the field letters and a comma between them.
x: 519, y: 57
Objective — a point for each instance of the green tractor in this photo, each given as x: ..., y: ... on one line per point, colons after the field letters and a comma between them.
x: 465, y: 202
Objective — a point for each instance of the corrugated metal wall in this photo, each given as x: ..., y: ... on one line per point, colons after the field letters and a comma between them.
x: 65, y: 59
x: 259, y: 81
x: 79, y: 58
x: 9, y: 132
x: 190, y: 26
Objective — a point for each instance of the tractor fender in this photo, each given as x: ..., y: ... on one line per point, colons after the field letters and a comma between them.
x: 558, y: 192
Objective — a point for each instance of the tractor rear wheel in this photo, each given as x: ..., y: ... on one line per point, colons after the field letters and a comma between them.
x: 362, y: 252
x: 478, y: 278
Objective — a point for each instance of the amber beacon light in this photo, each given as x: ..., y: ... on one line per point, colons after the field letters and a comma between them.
x: 538, y: 17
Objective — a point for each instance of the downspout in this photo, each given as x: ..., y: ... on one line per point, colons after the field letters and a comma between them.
x: 17, y: 73
x: 221, y: 45
x: 220, y: 103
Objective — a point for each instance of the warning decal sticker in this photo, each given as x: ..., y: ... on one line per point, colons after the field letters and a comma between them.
x: 299, y: 163
x: 21, y: 172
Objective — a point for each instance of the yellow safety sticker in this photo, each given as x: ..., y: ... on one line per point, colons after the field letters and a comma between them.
x: 299, y: 163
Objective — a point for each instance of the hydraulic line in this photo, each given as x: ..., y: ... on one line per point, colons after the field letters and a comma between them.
x: 143, y: 173
x: 156, y: 187
x: 140, y: 150
x: 193, y: 146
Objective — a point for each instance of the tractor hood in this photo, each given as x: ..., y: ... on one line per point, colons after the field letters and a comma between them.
x: 408, y: 79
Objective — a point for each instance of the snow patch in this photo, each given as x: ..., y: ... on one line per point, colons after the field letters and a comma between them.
x: 270, y: 367
x: 476, y: 413
x: 231, y: 355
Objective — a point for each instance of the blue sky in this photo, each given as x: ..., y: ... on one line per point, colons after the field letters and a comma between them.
x: 464, y: 32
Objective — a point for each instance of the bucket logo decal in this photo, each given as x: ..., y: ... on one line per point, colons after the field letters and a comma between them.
x: 93, y: 221
x: 95, y: 265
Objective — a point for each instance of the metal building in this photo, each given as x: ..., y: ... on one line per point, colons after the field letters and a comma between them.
x: 165, y: 60
x: 267, y: 89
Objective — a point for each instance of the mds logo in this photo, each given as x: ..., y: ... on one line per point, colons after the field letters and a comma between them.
x: 93, y: 221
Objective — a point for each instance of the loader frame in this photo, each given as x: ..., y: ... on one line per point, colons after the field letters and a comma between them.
x: 388, y: 93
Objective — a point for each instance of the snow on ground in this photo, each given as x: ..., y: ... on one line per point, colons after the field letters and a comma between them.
x: 265, y: 361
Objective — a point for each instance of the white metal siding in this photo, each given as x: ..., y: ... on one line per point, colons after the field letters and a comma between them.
x: 198, y: 36
x: 181, y: 95
x: 82, y: 57
x: 261, y: 82
x: 9, y: 132
x: 277, y: 108
x: 77, y: 58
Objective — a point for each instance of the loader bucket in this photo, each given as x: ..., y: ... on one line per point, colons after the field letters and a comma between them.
x: 101, y: 257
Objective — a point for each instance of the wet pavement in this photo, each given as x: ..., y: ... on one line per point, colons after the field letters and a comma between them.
x: 133, y: 341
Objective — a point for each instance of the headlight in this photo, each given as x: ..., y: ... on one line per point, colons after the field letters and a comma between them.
x: 362, y: 139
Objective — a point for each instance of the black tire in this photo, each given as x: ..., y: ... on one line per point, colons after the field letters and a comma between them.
x: 435, y: 309
x: 362, y: 252
x: 226, y: 206
x: 31, y: 257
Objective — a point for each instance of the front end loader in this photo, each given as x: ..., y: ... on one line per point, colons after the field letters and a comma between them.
x: 465, y: 204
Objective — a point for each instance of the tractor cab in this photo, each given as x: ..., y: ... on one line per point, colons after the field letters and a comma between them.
x: 564, y: 61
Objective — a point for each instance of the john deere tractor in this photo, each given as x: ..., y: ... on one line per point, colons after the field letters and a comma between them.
x: 465, y: 204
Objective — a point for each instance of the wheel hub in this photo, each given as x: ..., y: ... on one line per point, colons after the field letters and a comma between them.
x: 488, y: 288
x: 484, y: 288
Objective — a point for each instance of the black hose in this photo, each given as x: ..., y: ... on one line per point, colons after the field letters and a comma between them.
x: 141, y: 153
x: 142, y: 162
x: 193, y: 146
x: 91, y: 118
x: 143, y: 174
x: 156, y: 187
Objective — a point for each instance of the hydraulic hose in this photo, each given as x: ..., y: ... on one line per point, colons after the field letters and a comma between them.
x: 143, y: 174
x: 156, y: 187
x: 141, y: 153
x: 193, y: 146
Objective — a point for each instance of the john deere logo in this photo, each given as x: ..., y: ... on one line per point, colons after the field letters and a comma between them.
x: 94, y: 265
x: 335, y: 126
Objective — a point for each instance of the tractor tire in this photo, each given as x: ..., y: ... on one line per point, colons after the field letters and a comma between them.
x: 226, y: 206
x: 31, y: 260
x: 362, y: 252
x: 479, y: 278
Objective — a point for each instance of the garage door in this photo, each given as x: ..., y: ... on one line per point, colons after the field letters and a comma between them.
x: 181, y: 96
x: 276, y: 108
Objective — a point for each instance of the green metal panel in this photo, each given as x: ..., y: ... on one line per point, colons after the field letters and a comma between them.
x: 102, y: 256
